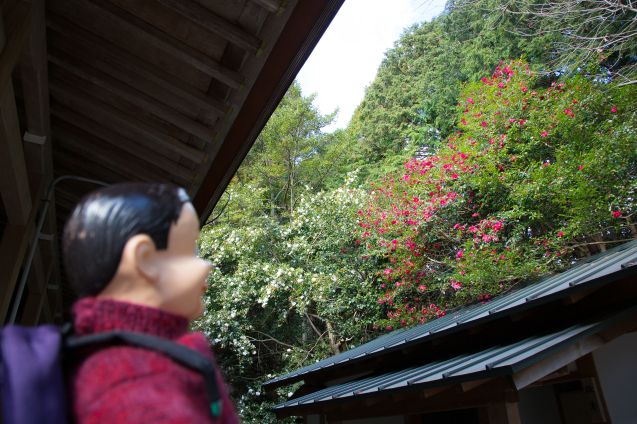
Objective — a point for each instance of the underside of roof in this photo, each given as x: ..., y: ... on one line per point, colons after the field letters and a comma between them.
x: 587, y: 275
x: 132, y: 90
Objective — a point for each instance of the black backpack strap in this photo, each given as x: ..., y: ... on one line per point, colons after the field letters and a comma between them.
x: 179, y: 353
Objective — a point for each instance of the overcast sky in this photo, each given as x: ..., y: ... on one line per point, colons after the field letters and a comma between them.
x: 346, y: 59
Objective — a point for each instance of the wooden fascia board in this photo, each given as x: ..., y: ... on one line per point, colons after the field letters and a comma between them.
x: 303, y: 30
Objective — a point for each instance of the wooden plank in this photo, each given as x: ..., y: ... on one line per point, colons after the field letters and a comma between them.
x: 126, y: 167
x: 167, y: 43
x: 11, y: 50
x: 129, y: 68
x: 71, y: 95
x: 130, y: 94
x: 13, y: 246
x: 121, y: 142
x: 215, y: 23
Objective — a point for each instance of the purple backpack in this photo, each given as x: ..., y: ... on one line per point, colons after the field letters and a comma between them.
x: 31, y: 377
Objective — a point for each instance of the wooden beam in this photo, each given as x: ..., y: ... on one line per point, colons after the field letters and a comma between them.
x: 13, y: 246
x: 70, y: 95
x: 427, y: 393
x: 271, y: 5
x: 576, y: 297
x: 156, y: 37
x: 121, y: 142
x: 546, y: 366
x: 14, y: 183
x: 216, y: 24
x: 131, y: 95
x: 470, y: 385
x: 129, y: 68
x: 11, y: 50
x: 38, y: 156
x: 125, y: 167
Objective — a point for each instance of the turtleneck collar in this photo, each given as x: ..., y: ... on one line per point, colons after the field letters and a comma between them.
x: 94, y: 315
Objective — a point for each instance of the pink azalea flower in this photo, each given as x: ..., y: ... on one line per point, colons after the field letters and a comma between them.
x: 484, y: 124
x: 581, y: 167
x: 470, y: 100
x: 459, y: 255
x: 614, y: 109
x: 560, y: 234
x: 544, y: 134
x: 617, y: 214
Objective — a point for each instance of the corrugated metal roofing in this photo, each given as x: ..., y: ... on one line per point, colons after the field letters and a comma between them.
x: 504, y: 359
x: 595, y: 270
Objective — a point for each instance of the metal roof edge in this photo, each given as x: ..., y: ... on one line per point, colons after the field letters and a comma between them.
x: 630, y: 309
x: 604, y: 279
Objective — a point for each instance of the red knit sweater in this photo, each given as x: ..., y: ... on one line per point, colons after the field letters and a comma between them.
x: 124, y: 384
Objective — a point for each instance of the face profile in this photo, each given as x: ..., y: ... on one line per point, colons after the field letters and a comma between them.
x: 136, y: 243
x: 182, y: 274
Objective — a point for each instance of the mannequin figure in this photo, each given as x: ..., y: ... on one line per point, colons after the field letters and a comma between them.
x: 130, y: 252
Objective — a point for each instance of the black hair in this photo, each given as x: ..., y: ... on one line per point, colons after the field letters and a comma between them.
x: 102, y: 223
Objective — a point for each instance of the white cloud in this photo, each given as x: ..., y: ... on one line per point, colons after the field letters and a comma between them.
x: 347, y: 57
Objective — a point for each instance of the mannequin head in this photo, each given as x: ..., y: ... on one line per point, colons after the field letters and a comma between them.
x: 136, y: 243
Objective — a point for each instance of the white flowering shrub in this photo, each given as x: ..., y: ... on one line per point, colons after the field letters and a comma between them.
x: 285, y: 293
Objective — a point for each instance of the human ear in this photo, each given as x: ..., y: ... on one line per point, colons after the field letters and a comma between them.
x: 141, y: 253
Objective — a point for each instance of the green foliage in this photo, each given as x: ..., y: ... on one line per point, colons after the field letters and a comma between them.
x: 535, y: 179
x: 283, y: 295
x: 292, y: 154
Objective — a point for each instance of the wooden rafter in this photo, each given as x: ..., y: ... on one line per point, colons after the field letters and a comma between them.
x: 216, y: 24
x: 101, y: 79
x: 123, y: 166
x: 271, y: 5
x: 144, y: 31
x: 71, y: 96
x: 121, y: 141
x: 129, y: 68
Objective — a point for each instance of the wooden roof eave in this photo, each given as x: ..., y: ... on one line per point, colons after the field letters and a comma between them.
x: 306, y: 23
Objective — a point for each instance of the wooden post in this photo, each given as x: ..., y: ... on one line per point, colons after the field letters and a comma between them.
x: 38, y: 151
